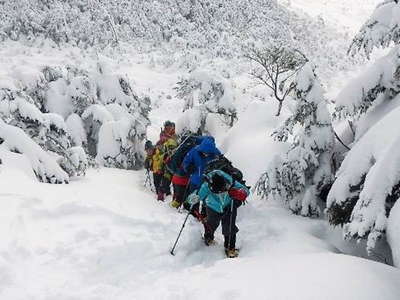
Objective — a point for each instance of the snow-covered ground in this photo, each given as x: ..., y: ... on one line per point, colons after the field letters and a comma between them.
x: 106, y: 237
x: 342, y: 14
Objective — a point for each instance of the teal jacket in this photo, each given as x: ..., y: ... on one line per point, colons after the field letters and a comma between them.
x: 218, y: 202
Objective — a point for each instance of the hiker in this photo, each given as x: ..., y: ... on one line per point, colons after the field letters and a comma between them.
x: 180, y: 178
x: 167, y: 144
x: 221, y: 195
x: 155, y: 163
x: 196, y: 160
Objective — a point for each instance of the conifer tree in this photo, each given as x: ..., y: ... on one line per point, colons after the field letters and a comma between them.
x: 367, y: 183
x: 298, y: 177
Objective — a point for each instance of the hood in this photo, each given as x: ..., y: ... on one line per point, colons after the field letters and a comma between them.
x: 208, y: 146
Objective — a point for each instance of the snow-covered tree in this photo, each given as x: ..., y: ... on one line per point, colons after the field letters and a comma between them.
x: 380, y: 30
x: 63, y: 109
x: 43, y: 164
x: 367, y: 183
x: 299, y: 176
x: 181, y: 28
x: 275, y: 67
x: 205, y: 93
x: 48, y: 130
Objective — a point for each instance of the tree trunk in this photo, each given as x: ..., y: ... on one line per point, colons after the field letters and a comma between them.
x: 279, y: 109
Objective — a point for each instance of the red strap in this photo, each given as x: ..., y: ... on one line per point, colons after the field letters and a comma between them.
x: 238, y: 194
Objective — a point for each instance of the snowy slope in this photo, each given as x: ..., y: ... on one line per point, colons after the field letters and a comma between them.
x: 105, y: 237
x: 342, y: 14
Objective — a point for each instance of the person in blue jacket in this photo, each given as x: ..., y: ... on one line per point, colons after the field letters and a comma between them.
x: 221, y: 195
x: 196, y: 160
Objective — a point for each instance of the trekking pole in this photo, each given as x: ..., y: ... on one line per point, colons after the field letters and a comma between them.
x: 230, y: 226
x: 148, y: 179
x: 179, y: 235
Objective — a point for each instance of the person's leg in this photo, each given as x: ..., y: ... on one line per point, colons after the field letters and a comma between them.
x: 167, y: 186
x: 211, y: 224
x: 158, y: 182
x: 229, y: 228
x: 179, y: 192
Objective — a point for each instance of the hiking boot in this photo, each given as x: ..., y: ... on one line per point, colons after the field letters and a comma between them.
x: 160, y: 197
x: 209, y: 242
x: 232, y: 253
x: 175, y: 204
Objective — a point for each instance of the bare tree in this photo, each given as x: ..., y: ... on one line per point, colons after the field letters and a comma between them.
x: 275, y: 67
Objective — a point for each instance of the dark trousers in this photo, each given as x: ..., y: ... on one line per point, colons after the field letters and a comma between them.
x: 167, y: 186
x: 161, y: 184
x: 180, y: 192
x: 228, y: 220
x: 158, y: 182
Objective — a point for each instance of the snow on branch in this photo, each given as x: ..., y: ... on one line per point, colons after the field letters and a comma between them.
x: 381, y: 29
x: 368, y: 183
x: 45, y: 166
x: 379, y: 83
x: 275, y: 67
x: 298, y: 177
x: 62, y: 110
x: 205, y: 93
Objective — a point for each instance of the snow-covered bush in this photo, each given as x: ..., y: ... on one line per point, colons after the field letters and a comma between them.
x: 63, y: 108
x: 205, y: 93
x: 120, y: 144
x: 393, y: 233
x: 48, y: 130
x: 299, y: 177
x: 376, y: 86
x: 43, y: 164
x: 368, y: 182
x: 380, y: 30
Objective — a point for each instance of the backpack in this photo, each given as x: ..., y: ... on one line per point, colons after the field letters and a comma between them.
x: 175, y: 161
x: 225, y: 165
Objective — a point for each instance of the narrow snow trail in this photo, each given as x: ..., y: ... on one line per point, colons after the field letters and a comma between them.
x: 106, y: 237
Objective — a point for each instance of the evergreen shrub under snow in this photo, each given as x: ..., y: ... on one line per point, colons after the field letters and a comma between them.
x: 76, y: 117
x: 205, y: 94
x: 299, y: 177
x: 367, y: 184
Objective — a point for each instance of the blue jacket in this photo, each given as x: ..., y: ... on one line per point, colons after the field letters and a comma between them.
x: 194, y: 162
x: 218, y: 202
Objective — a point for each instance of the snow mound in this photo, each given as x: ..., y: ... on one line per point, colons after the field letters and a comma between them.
x: 306, y: 276
x: 393, y: 233
x: 45, y: 166
x: 249, y: 143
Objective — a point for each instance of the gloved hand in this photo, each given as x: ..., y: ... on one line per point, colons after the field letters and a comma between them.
x: 199, y: 216
x: 237, y: 194
x: 193, y: 199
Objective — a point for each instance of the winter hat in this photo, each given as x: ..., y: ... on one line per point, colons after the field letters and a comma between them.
x: 218, y: 184
x: 169, y: 123
x: 148, y: 145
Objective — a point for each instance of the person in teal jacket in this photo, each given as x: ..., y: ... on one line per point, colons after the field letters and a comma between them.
x: 221, y: 195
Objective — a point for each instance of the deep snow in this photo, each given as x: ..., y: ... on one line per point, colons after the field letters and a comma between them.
x: 106, y: 237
